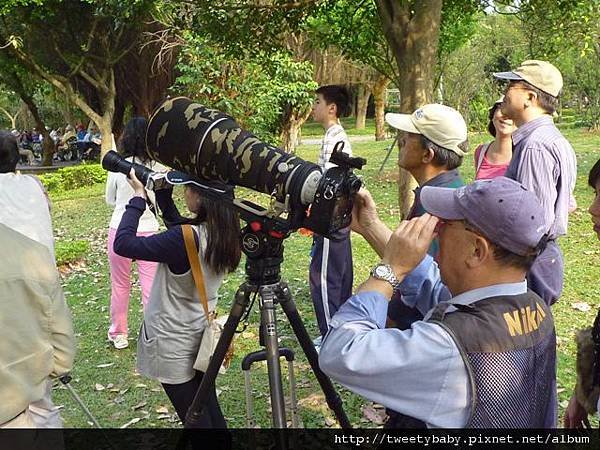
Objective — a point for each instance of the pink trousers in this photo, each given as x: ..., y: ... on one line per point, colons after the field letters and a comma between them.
x: 120, y: 277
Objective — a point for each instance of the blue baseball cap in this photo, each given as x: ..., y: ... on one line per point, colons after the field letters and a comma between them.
x: 503, y: 210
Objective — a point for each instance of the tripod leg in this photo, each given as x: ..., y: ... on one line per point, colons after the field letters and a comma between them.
x: 334, y: 401
x: 269, y: 329
x: 242, y: 298
x: 389, y: 152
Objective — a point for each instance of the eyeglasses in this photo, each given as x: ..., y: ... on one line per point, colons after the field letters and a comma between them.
x: 442, y: 223
x: 515, y: 87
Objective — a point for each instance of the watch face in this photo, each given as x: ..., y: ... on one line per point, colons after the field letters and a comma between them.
x: 382, y: 271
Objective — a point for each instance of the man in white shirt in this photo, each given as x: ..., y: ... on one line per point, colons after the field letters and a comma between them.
x: 24, y: 204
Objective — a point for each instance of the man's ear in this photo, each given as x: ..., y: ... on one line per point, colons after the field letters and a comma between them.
x: 428, y: 156
x: 332, y: 108
x: 532, y: 99
x: 481, y: 251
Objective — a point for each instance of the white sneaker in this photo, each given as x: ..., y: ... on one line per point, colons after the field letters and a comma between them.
x: 119, y: 341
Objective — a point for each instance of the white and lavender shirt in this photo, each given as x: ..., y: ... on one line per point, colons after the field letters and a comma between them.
x: 333, y: 135
x: 544, y: 162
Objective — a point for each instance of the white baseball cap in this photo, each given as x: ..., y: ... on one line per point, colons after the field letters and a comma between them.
x: 440, y: 124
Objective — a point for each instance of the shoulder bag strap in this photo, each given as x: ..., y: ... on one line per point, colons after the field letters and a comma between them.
x: 482, y: 152
x: 192, y: 253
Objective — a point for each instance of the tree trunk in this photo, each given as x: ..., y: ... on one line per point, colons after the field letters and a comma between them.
x: 363, y: 94
x: 105, y: 128
x: 293, y: 121
x: 379, y: 98
x: 412, y: 32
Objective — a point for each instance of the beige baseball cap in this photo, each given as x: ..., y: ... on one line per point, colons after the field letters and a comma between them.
x: 440, y: 124
x: 540, y: 74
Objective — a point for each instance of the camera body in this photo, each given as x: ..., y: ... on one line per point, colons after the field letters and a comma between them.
x: 206, y: 146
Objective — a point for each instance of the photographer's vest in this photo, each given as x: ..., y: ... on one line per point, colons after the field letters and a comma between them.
x: 508, y: 345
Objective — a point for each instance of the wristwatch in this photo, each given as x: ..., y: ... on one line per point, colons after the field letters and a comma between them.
x: 385, y: 272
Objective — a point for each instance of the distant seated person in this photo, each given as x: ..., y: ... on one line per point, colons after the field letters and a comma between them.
x: 35, y: 136
x: 492, y: 159
x: 81, y: 132
x: 484, y: 356
x: 24, y: 203
x: 91, y: 143
x: 24, y: 152
x: 56, y: 135
x: 25, y: 140
x: 69, y: 134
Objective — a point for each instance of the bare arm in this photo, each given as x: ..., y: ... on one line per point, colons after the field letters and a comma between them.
x: 366, y: 222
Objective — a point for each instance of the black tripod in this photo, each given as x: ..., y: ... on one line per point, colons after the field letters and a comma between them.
x: 262, y: 243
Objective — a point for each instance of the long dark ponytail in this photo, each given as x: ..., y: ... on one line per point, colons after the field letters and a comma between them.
x: 223, y: 250
x: 133, y: 140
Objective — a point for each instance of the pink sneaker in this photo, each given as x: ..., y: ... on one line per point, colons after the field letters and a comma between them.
x: 119, y: 341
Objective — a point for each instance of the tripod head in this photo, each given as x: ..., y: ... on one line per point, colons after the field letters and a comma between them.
x: 262, y: 243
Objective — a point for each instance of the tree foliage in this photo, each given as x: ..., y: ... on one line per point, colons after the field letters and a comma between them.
x: 258, y: 90
x: 553, y: 28
x: 355, y: 29
x: 75, y: 45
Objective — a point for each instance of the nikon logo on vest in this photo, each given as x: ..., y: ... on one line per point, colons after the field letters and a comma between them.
x: 524, y: 320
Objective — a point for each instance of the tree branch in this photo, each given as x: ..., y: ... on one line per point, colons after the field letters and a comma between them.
x: 283, y: 6
x: 88, y: 45
x: 9, y: 115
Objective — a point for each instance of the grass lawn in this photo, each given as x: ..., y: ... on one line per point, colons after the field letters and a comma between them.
x: 106, y: 379
x: 313, y: 129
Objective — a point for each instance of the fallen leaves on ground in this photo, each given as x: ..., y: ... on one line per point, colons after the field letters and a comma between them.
x: 102, y: 366
x: 131, y: 422
x: 371, y: 414
x: 581, y: 306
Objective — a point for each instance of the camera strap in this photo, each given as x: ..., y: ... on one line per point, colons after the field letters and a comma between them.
x: 152, y: 207
x: 192, y: 254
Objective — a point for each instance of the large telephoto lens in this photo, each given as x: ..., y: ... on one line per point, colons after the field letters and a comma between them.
x: 113, y: 162
x: 210, y: 145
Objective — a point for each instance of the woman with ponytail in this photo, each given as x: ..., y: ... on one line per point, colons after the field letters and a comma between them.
x: 132, y: 146
x: 174, y: 319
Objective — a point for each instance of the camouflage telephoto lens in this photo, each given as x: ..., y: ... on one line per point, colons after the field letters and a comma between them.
x: 210, y: 145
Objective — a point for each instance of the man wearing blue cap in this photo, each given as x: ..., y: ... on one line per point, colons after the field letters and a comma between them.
x: 484, y: 357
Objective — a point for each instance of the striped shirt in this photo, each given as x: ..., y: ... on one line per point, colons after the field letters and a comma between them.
x: 333, y: 135
x: 544, y: 162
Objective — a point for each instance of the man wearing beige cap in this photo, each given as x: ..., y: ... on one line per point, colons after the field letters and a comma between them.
x: 543, y: 161
x: 432, y: 147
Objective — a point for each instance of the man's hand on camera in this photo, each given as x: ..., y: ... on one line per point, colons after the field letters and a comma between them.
x: 408, y: 245
x: 138, y: 188
x: 366, y: 222
x: 364, y: 214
